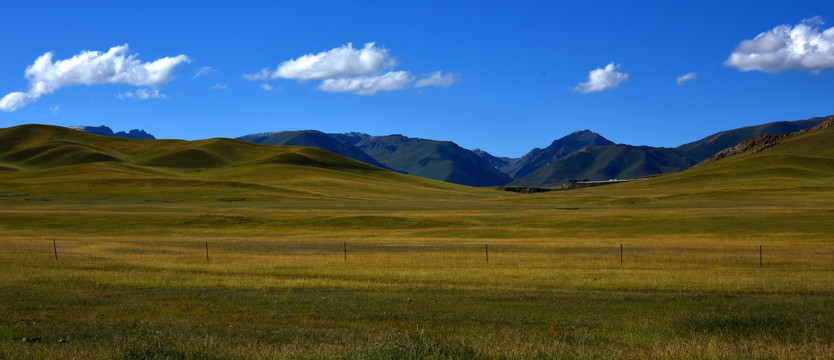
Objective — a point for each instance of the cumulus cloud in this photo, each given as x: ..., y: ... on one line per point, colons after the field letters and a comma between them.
x: 437, y: 78
x: 344, y: 61
x: 266, y: 87
x: 346, y: 69
x: 368, y: 85
x: 686, y: 77
x: 601, y: 79
x: 115, y: 66
x: 15, y: 100
x: 803, y: 47
x: 219, y: 86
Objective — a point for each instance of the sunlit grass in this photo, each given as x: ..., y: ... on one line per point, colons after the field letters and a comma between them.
x: 312, y: 262
x: 262, y: 296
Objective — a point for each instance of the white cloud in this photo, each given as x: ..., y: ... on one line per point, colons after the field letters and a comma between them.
x: 93, y: 68
x: 16, y: 100
x: 601, y: 79
x: 142, y: 94
x: 363, y: 71
x: 344, y: 61
x: 437, y: 78
x: 266, y: 87
x: 686, y: 77
x: 219, y: 86
x: 803, y: 47
x: 205, y: 70
x: 368, y: 85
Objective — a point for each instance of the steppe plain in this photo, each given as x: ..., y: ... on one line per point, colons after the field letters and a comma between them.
x: 214, y: 249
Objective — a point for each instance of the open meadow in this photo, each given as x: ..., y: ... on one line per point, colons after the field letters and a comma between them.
x: 732, y: 259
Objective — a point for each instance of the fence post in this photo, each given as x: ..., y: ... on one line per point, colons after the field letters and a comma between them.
x: 761, y: 263
x: 207, y: 255
x: 345, y: 251
x: 621, y: 254
x: 55, y: 249
x: 486, y: 250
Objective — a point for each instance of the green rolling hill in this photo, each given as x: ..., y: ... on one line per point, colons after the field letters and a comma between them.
x: 312, y: 138
x: 708, y: 146
x: 798, y: 165
x: 48, y: 162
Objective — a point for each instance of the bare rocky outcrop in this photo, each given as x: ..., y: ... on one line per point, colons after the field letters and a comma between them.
x: 825, y: 124
x: 763, y: 142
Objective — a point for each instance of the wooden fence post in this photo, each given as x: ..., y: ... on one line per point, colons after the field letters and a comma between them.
x: 621, y: 254
x: 207, y: 255
x: 345, y: 251
x: 55, y: 249
x: 486, y: 250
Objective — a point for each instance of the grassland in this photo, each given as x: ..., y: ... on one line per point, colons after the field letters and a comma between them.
x: 132, y: 279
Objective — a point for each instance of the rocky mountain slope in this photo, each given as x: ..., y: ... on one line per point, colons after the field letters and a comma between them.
x: 710, y: 145
x: 765, y: 141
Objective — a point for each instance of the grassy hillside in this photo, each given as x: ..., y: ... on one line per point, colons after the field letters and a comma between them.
x: 285, y: 252
x: 312, y: 138
x: 54, y: 162
x: 795, y: 162
x: 600, y: 163
x: 708, y: 146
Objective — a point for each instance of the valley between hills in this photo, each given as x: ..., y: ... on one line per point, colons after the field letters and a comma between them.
x: 222, y: 248
x: 582, y: 155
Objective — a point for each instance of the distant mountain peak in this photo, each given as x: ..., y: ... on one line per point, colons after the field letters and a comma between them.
x: 106, y: 131
x: 538, y: 158
x: 585, y: 131
x: 313, y: 138
x: 587, y: 135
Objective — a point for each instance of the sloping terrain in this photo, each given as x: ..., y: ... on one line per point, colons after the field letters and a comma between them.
x: 625, y: 161
x: 312, y: 138
x: 795, y: 165
x: 765, y: 141
x: 598, y: 163
x: 496, y: 162
x: 112, y: 257
x: 440, y: 160
x: 446, y: 161
x: 539, y: 158
x: 710, y: 145
x: 47, y: 162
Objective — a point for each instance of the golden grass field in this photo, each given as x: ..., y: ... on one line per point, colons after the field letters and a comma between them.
x: 132, y: 280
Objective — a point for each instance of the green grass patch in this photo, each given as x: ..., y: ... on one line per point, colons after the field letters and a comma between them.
x: 284, y: 252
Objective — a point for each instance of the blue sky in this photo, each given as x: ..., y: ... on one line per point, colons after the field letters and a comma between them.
x: 501, y: 76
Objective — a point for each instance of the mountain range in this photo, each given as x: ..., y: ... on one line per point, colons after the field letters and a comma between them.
x: 582, y: 155
x: 106, y: 131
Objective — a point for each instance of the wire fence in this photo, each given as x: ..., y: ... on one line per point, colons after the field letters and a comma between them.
x: 633, y: 255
